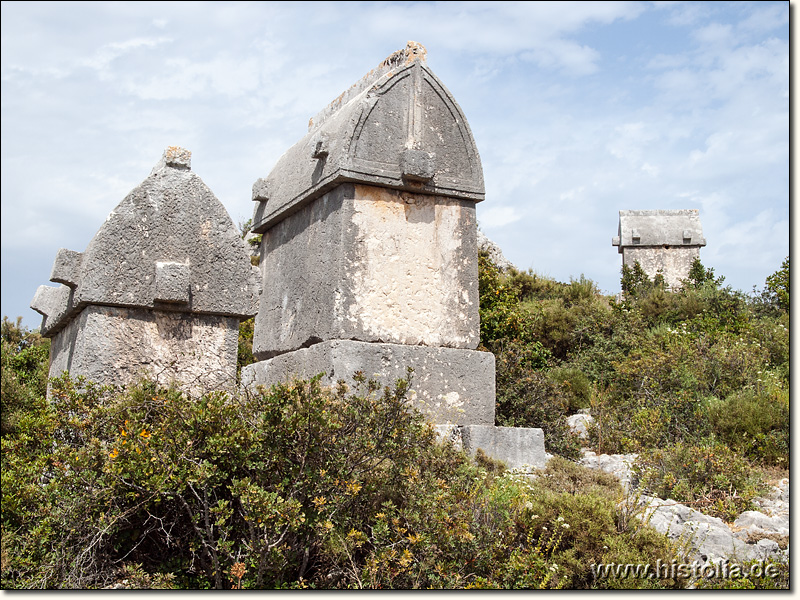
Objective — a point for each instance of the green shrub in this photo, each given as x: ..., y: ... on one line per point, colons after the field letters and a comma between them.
x: 244, y: 355
x: 296, y: 486
x: 754, y: 422
x: 737, y: 580
x: 582, y: 505
x: 502, y: 318
x: 777, y: 286
x: 710, y: 476
x: 25, y: 368
x: 527, y: 397
x: 635, y: 282
x: 532, y: 286
x: 575, y: 386
x: 198, y: 485
x: 555, y: 328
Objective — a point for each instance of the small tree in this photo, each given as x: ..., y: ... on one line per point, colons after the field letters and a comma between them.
x: 699, y: 276
x: 635, y: 282
x: 777, y: 286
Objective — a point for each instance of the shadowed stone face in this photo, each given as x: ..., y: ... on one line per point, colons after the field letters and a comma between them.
x: 371, y: 264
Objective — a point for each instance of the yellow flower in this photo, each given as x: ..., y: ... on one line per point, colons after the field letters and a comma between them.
x: 114, y: 453
x: 406, y: 559
x: 353, y: 488
x: 144, y: 434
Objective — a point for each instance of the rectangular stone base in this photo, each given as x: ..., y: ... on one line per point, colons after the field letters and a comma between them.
x: 119, y: 346
x: 449, y: 385
x: 515, y: 446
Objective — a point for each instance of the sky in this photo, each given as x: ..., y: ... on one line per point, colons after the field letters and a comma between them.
x: 578, y: 110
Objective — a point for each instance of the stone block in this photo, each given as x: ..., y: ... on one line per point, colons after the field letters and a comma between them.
x: 449, y: 385
x: 663, y: 242
x: 172, y: 216
x: 374, y: 265
x: 159, y: 291
x: 417, y: 165
x: 516, y: 446
x: 178, y: 157
x: 55, y: 305
x: 364, y: 136
x: 172, y: 282
x: 450, y: 434
x: 261, y: 190
x: 66, y: 267
x: 659, y: 228
x: 121, y: 345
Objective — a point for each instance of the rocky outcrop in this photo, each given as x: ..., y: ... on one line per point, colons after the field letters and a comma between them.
x: 755, y: 535
x: 494, y: 252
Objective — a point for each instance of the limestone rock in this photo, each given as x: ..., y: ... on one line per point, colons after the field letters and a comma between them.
x: 579, y: 423
x: 494, y: 252
x: 618, y: 465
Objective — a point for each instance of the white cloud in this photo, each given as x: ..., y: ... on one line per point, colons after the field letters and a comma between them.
x: 495, y: 217
x: 629, y: 141
x: 104, y: 56
x: 183, y: 79
x: 714, y: 34
x: 578, y: 110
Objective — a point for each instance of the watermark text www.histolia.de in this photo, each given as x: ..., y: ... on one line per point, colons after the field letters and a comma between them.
x: 673, y: 569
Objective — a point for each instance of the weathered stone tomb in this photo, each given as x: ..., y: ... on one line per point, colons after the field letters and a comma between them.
x: 663, y: 242
x: 159, y: 291
x: 369, y: 249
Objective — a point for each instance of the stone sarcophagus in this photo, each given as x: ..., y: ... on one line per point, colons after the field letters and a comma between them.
x: 374, y: 209
x: 369, y: 252
x: 663, y: 242
x: 159, y: 291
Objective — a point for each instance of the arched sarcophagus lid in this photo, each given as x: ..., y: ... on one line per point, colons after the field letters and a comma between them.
x: 170, y: 244
x: 398, y: 127
x: 659, y: 228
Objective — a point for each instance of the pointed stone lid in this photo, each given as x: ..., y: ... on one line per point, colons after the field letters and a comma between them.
x: 398, y: 127
x: 169, y: 244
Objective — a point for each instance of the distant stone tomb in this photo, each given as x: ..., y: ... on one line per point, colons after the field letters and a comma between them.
x: 664, y: 242
x: 159, y: 291
x: 369, y: 251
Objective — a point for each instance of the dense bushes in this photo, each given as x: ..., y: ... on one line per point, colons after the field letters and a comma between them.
x: 702, y: 475
x: 295, y: 486
x: 662, y: 371
x: 301, y: 486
